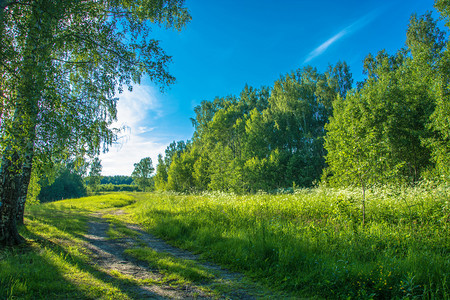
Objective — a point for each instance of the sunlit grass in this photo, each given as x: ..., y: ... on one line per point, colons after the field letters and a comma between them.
x: 94, y: 203
x: 313, y: 242
x: 309, y: 243
x: 54, y: 263
x: 174, y: 268
x: 118, y: 230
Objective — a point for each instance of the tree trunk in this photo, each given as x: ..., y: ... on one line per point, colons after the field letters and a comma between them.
x: 15, y: 174
x: 29, y: 92
x: 25, y: 178
x: 9, y: 235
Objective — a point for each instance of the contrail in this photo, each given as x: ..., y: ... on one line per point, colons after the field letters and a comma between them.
x: 352, y: 28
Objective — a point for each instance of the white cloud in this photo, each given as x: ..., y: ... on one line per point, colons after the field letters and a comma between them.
x: 319, y: 50
x: 137, y: 110
x: 352, y: 28
x: 133, y: 107
x: 121, y: 160
x: 144, y: 129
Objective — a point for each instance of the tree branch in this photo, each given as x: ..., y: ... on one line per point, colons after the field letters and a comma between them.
x: 72, y: 62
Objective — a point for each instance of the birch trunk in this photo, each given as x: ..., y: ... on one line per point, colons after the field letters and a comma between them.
x: 9, y: 235
x: 25, y: 179
x: 17, y: 158
x: 15, y: 173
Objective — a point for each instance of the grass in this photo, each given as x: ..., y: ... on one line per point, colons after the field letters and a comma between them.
x: 54, y: 264
x: 117, y: 230
x: 312, y: 242
x: 180, y: 270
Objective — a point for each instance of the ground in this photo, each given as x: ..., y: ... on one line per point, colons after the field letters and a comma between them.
x: 109, y: 254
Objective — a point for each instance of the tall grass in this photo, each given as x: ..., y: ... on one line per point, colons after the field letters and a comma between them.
x: 312, y: 242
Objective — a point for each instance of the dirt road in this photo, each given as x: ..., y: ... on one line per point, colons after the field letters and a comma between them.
x: 149, y: 283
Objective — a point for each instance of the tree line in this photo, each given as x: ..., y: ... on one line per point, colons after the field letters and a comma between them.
x: 310, y: 127
x: 116, y: 179
x: 65, y: 181
x: 262, y: 140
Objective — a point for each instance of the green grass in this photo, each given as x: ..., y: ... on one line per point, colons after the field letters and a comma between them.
x: 54, y: 264
x: 180, y: 270
x: 312, y: 242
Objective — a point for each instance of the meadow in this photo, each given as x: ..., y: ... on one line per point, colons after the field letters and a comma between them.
x: 313, y: 242
x: 310, y: 243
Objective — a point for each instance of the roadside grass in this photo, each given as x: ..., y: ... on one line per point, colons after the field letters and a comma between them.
x: 54, y: 263
x: 178, y: 272
x: 117, y: 230
x: 181, y: 271
x: 312, y: 242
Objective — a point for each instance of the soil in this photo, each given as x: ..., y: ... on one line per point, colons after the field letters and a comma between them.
x: 108, y: 256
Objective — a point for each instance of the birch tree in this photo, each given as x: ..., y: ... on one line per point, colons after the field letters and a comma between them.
x: 62, y: 64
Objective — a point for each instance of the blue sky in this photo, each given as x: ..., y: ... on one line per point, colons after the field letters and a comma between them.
x: 230, y: 43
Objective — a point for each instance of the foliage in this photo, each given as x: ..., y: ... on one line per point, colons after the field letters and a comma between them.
x: 161, y: 175
x: 34, y: 188
x: 116, y: 179
x: 439, y: 143
x: 377, y: 133
x: 262, y: 140
x: 62, y: 64
x: 95, y: 177
x: 68, y: 184
x: 117, y: 188
x: 179, y: 176
x: 142, y: 174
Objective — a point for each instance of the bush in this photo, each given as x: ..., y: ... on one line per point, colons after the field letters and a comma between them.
x: 67, y: 185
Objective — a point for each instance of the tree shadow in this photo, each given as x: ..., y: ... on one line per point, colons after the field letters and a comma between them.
x: 26, y: 273
x: 55, y: 263
x: 75, y: 273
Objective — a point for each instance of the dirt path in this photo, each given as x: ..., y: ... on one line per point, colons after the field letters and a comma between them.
x: 109, y: 256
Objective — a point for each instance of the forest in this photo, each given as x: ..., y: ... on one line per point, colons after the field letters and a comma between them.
x: 314, y: 128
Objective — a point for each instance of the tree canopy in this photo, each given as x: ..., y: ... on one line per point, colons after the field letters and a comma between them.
x: 94, y: 177
x: 265, y: 139
x: 67, y: 184
x: 142, y: 174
